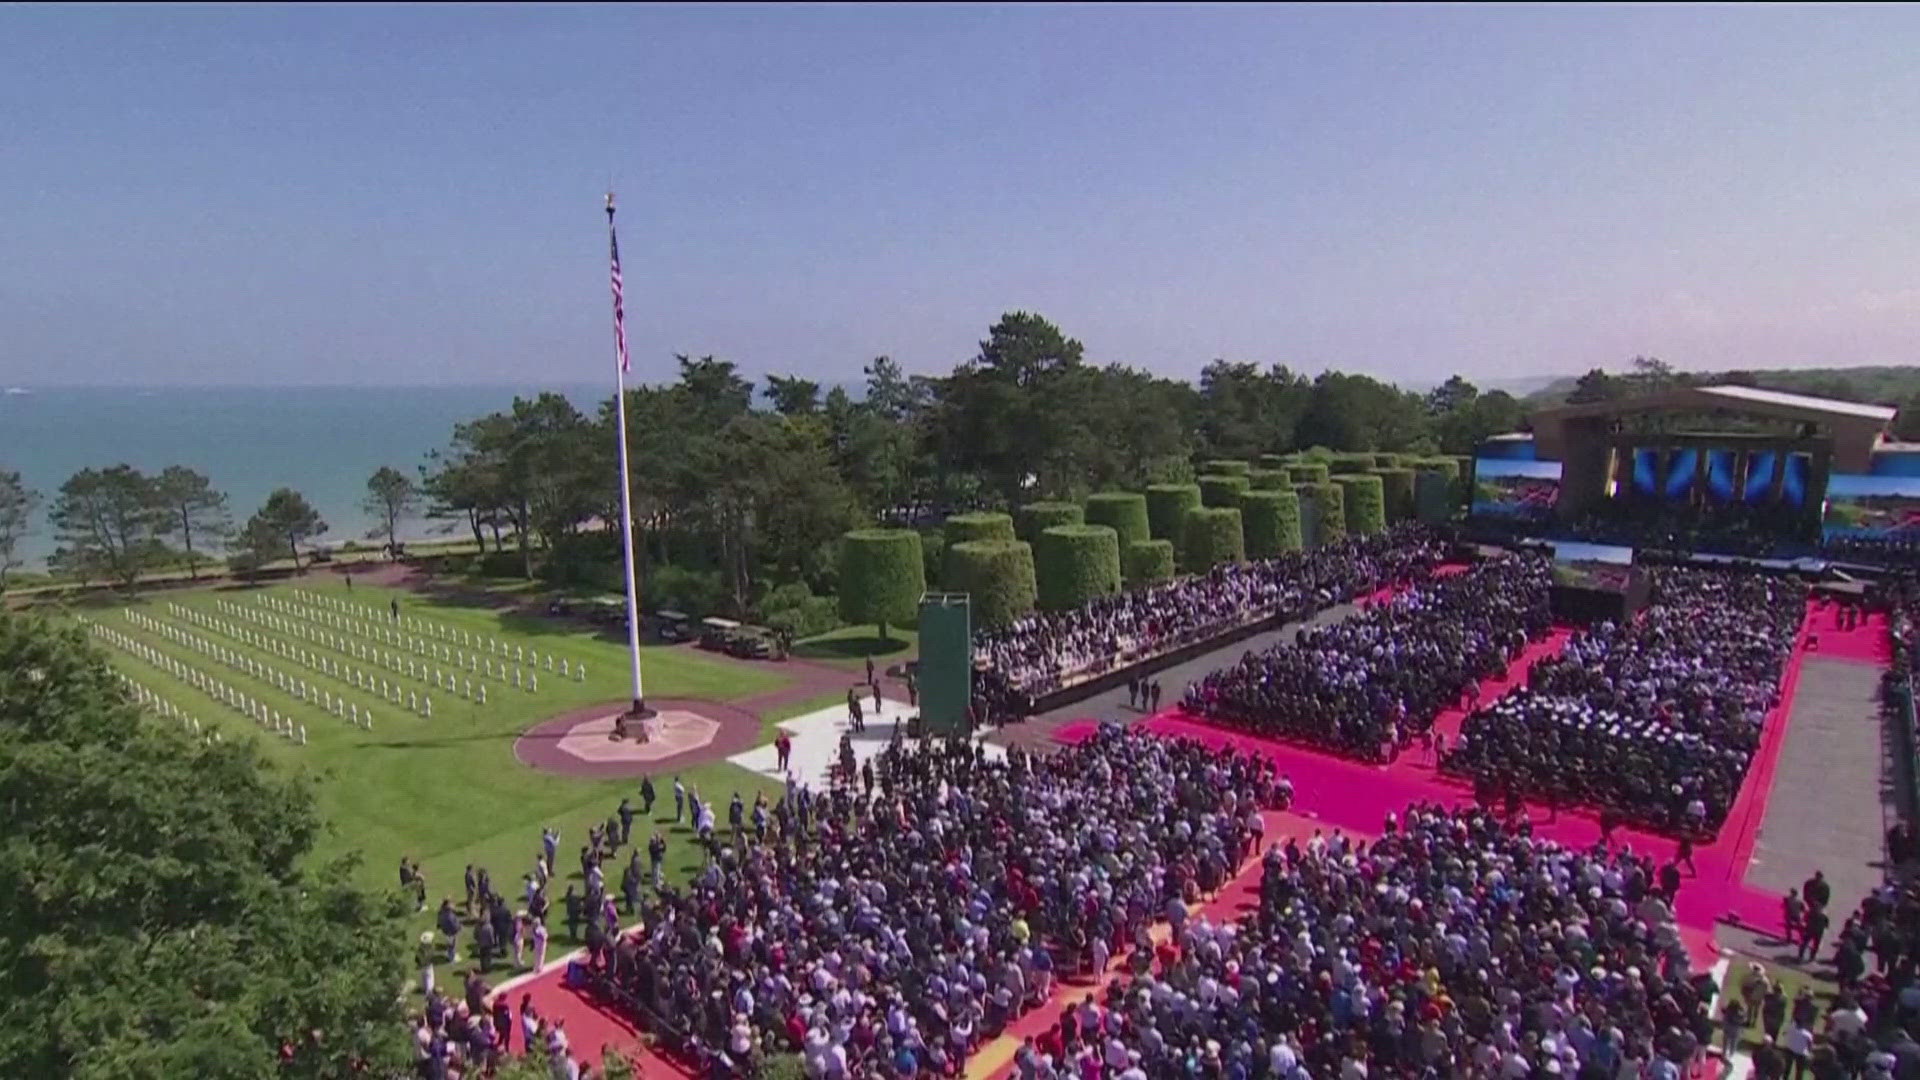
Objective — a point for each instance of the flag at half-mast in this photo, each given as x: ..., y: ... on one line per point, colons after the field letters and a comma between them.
x: 619, y: 292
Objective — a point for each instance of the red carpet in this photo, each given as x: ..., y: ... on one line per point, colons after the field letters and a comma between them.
x: 590, y: 1029
x: 1867, y: 643
x: 1355, y: 797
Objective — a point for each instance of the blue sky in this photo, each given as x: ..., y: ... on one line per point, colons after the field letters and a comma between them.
x: 370, y: 195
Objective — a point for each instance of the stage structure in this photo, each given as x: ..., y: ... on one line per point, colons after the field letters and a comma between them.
x: 945, y: 674
x: 1694, y: 446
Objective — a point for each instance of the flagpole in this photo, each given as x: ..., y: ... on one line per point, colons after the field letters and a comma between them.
x: 639, y: 710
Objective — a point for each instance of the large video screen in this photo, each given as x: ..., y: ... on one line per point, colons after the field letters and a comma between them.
x: 1868, y: 506
x: 1509, y: 488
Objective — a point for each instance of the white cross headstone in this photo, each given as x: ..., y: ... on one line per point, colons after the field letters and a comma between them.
x: 533, y: 682
x: 303, y: 734
x: 413, y: 701
x: 516, y: 678
x: 549, y: 661
x: 429, y: 704
x: 520, y: 653
x: 483, y: 693
x: 580, y: 672
x: 564, y: 673
x: 469, y: 687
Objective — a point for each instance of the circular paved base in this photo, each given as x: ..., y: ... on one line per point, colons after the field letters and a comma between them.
x: 687, y: 732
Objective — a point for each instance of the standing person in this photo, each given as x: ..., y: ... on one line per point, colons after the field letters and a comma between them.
x: 450, y: 926
x: 349, y: 581
x: 626, y: 821
x: 572, y: 903
x: 646, y: 795
x: 394, y: 607
x: 1814, y: 931
x: 472, y: 886
x: 679, y: 800
x: 870, y: 669
x: 656, y: 856
x: 539, y: 946
x: 783, y: 749
x: 424, y: 955
x: 913, y: 690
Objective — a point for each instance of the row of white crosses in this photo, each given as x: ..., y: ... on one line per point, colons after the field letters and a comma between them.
x: 252, y: 708
x: 336, y: 704
x: 158, y: 705
x: 280, y: 680
x: 360, y: 679
x: 428, y: 638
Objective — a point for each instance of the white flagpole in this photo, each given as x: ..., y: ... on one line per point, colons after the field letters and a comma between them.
x: 639, y: 710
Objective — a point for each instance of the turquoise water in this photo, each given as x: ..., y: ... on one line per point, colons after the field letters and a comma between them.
x: 323, y: 442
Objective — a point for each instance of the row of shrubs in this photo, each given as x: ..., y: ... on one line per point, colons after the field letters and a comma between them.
x: 1059, y: 555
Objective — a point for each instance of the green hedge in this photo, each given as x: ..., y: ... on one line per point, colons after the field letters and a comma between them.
x: 1269, y: 480
x: 1329, y: 512
x: 1077, y: 563
x: 1308, y: 472
x: 1149, y: 561
x: 997, y: 576
x: 1224, y: 468
x: 1396, y: 488
x: 1167, y: 506
x: 1276, y: 461
x: 1213, y: 536
x: 1270, y: 522
x: 1035, y: 518
x: 1366, y: 504
x: 1347, y: 464
x: 966, y: 528
x: 881, y: 577
x: 1220, y: 491
x: 1389, y: 461
x: 1125, y: 512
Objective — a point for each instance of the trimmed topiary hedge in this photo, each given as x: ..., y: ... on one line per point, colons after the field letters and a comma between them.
x: 1269, y: 480
x: 1213, y: 536
x: 1224, y: 468
x: 1366, y: 504
x: 1075, y: 564
x: 1308, y: 472
x: 1270, y: 522
x: 1276, y: 461
x: 966, y: 528
x: 1221, y: 492
x: 1148, y: 562
x: 1347, y: 464
x: 881, y: 577
x: 1396, y: 489
x: 1035, y: 518
x: 1389, y: 461
x: 997, y: 576
x: 1125, y: 512
x: 1167, y: 506
x: 1330, y: 512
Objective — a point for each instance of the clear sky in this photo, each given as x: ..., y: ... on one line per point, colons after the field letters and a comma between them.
x: 371, y: 195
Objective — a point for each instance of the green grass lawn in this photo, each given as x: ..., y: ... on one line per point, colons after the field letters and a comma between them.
x: 1791, y: 979
x: 851, y: 645
x: 446, y: 791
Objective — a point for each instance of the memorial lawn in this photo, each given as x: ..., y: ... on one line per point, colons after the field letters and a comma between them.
x: 446, y: 790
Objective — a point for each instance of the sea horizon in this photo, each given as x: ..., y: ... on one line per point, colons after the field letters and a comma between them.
x: 321, y: 440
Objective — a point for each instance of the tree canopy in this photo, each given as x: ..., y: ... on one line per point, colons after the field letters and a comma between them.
x: 145, y: 875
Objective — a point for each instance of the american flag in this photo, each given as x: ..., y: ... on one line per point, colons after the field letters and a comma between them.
x: 619, y: 305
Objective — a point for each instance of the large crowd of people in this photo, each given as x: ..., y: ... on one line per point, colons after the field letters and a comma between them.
x: 1654, y: 721
x: 1367, y: 686
x: 1046, y: 650
x: 1454, y: 945
x: 886, y: 927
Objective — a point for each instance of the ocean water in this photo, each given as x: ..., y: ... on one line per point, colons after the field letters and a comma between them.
x: 321, y: 441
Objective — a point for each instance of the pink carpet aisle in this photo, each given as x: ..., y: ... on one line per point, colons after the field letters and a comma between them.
x: 1354, y: 797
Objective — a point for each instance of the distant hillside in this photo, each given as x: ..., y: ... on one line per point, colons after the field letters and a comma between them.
x: 1870, y: 385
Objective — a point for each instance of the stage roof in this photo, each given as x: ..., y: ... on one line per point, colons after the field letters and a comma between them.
x: 1853, y: 427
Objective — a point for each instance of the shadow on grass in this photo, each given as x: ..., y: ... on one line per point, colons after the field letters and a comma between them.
x: 850, y: 648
